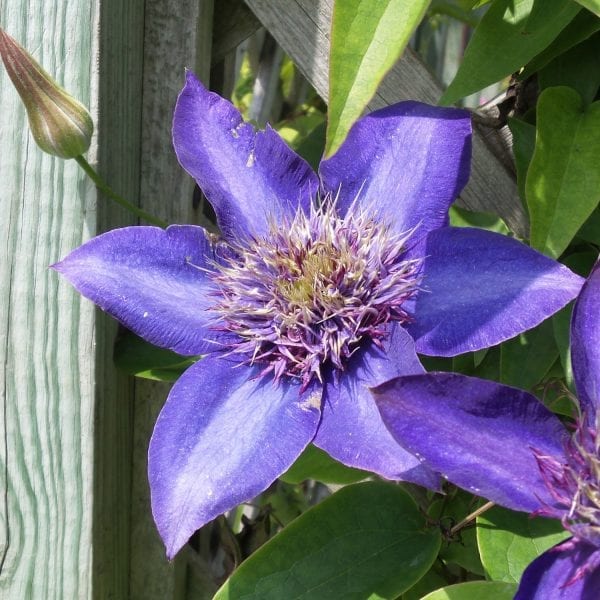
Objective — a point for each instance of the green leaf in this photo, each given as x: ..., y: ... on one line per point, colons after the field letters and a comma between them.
x: 510, y: 34
x: 593, y: 5
x: 137, y: 357
x: 367, y: 38
x: 509, y: 541
x: 563, y: 181
x: 578, y: 68
x: 368, y: 540
x: 523, y: 146
x: 312, y: 146
x: 489, y: 366
x: 590, y: 230
x: 313, y: 463
x: 561, y: 324
x: 528, y: 357
x: 475, y: 590
x: 432, y: 580
x: 459, y: 217
x: 580, y: 28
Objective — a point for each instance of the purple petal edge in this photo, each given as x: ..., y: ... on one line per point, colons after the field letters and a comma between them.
x: 568, y: 571
x: 152, y: 280
x: 252, y: 179
x: 351, y: 429
x: 585, y: 344
x: 478, y: 434
x: 482, y: 288
x: 222, y: 438
x: 407, y: 163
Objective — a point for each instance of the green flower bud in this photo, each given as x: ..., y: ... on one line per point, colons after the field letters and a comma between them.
x: 60, y: 125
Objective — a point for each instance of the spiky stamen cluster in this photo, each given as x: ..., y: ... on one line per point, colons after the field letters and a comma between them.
x: 575, y: 483
x: 311, y: 290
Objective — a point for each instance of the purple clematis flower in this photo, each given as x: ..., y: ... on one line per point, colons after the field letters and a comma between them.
x: 319, y: 289
x: 503, y: 444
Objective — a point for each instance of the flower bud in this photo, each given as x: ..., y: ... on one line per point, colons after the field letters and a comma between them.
x: 60, y: 124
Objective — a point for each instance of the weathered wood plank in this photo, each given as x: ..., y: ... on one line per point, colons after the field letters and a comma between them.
x: 47, y: 336
x: 118, y: 99
x: 301, y: 27
x: 166, y: 191
x: 233, y: 23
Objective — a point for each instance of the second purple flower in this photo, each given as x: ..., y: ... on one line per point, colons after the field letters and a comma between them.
x: 321, y: 288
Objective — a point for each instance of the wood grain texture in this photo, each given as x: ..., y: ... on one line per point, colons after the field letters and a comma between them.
x: 302, y: 27
x: 165, y: 191
x: 233, y: 23
x: 118, y: 100
x: 47, y: 335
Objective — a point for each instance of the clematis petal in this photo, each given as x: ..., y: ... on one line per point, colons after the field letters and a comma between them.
x: 351, y: 429
x: 554, y: 574
x: 585, y: 343
x: 408, y: 162
x: 152, y: 280
x: 221, y: 439
x: 481, y: 288
x: 252, y: 179
x: 478, y: 434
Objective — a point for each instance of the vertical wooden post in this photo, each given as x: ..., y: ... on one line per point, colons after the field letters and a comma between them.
x: 177, y: 35
x: 47, y: 336
x: 118, y: 109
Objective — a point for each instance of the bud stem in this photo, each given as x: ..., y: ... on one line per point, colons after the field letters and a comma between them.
x: 108, y: 192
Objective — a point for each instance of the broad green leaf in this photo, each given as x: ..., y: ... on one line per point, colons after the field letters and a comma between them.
x: 528, y: 357
x: 475, y: 590
x: 510, y: 34
x: 578, y: 68
x: 509, y: 541
x: 593, y: 5
x: 137, y: 357
x: 368, y: 540
x: 313, y: 463
x: 580, y: 28
x: 563, y: 180
x: 523, y: 146
x: 367, y: 38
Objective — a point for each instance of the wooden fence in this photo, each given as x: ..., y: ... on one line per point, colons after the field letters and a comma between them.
x: 74, y: 502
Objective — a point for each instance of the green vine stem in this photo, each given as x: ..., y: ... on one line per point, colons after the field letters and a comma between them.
x: 107, y: 191
x: 467, y: 520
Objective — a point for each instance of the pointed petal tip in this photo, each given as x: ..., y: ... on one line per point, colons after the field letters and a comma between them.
x: 425, y: 412
x: 498, y: 289
x: 433, y: 146
x: 250, y: 178
x: 222, y: 437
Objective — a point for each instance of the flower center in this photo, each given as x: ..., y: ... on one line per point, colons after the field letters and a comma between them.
x: 313, y: 289
x: 575, y: 483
